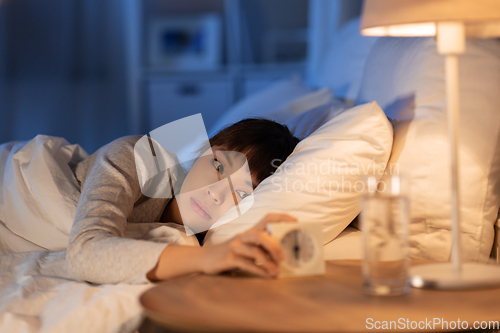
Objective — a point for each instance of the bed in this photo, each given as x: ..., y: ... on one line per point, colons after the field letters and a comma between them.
x: 404, y: 77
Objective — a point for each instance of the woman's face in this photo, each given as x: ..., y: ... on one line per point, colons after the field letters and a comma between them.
x: 218, y: 181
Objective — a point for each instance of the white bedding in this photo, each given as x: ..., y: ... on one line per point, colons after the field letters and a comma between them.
x: 37, y: 295
x: 38, y: 194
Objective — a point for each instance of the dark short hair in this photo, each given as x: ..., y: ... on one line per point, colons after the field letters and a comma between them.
x: 265, y: 143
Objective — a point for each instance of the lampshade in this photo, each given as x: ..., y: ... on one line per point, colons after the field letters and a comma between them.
x: 481, y: 18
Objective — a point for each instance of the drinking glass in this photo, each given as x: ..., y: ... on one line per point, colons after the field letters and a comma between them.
x: 384, y: 223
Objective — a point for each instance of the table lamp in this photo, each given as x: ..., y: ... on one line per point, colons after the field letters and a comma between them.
x: 451, y: 21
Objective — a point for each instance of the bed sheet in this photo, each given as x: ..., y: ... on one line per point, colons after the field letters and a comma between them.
x: 37, y: 294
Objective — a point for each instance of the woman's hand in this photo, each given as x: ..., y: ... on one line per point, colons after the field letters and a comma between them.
x: 254, y: 251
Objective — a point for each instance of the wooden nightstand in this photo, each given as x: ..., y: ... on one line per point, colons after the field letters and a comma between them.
x: 334, y: 302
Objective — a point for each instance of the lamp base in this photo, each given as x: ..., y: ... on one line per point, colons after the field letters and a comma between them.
x: 442, y: 276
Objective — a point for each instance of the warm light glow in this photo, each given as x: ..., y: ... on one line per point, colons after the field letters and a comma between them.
x: 411, y: 18
x: 417, y: 282
x: 401, y: 30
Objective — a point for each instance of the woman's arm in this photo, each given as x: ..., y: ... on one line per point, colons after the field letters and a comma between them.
x: 253, y: 251
x: 97, y: 251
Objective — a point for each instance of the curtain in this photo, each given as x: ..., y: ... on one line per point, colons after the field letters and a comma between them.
x: 64, y: 70
x: 326, y: 17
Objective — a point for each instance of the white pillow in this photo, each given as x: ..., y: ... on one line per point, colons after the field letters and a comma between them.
x: 406, y: 77
x: 300, y: 105
x: 342, y: 64
x: 336, y: 153
x: 280, y: 102
x: 306, y: 123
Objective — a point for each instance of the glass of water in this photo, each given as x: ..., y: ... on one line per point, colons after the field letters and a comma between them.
x: 384, y: 223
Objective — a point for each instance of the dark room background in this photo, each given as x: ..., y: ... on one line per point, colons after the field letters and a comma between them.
x: 63, y: 70
x: 81, y: 69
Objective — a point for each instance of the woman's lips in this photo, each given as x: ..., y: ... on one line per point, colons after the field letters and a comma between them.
x: 200, y: 211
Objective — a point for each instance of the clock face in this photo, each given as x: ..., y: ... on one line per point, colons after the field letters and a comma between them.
x: 298, y: 247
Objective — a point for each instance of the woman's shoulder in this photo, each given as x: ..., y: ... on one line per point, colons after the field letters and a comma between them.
x: 127, y: 150
x: 124, y: 143
x: 119, y: 154
x: 135, y: 143
x: 132, y: 154
x: 129, y: 139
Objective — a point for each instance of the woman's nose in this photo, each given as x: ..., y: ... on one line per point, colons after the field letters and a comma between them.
x: 215, y: 194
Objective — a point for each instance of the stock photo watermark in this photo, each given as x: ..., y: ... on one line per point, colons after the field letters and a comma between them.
x: 332, y: 167
x: 430, y: 324
x: 330, y: 176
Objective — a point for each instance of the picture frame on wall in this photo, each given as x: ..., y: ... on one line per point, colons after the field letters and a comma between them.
x: 191, y: 42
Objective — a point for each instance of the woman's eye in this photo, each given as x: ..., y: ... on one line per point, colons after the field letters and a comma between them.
x: 218, y: 166
x: 242, y: 194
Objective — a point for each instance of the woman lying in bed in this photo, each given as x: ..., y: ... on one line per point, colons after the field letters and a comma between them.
x: 111, y: 196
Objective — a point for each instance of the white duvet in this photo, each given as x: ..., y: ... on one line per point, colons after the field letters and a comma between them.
x: 36, y: 295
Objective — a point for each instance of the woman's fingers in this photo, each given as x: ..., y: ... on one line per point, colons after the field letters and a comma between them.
x: 264, y: 240
x: 258, y: 256
x: 250, y: 266
x: 254, y: 251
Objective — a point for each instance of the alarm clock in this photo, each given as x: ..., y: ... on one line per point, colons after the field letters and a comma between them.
x: 302, y: 245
